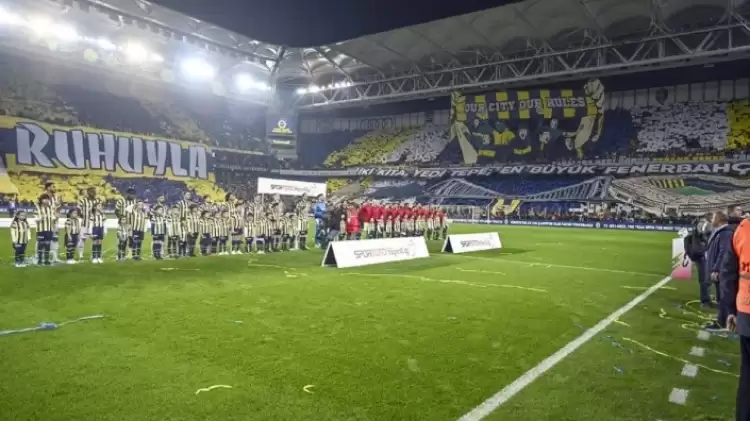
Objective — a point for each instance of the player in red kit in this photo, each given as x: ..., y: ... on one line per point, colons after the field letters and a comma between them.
x: 365, y: 218
x: 352, y: 223
x: 408, y: 217
x: 379, y: 217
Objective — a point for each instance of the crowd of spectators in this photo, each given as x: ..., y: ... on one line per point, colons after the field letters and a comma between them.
x: 57, y: 94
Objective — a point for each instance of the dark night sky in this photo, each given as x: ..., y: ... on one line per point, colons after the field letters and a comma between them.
x: 299, y: 23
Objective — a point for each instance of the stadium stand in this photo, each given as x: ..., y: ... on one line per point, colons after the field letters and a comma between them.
x: 55, y: 93
x: 52, y: 92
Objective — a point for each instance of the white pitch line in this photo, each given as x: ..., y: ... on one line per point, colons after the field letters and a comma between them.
x: 697, y: 351
x: 678, y: 396
x: 690, y: 370
x: 552, y: 265
x: 703, y: 335
x: 504, y: 395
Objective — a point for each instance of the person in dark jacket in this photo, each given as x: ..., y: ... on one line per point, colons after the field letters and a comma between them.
x: 719, y: 244
x: 735, y: 282
x: 695, y: 249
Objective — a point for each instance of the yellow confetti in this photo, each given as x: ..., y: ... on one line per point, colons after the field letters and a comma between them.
x: 682, y: 360
x: 210, y: 388
x: 308, y: 387
x: 620, y: 322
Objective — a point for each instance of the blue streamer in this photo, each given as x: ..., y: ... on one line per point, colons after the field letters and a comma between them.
x: 49, y: 325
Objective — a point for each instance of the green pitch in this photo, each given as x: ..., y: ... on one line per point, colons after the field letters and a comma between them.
x: 426, y: 340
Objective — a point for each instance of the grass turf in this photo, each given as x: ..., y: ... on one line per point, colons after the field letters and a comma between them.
x: 421, y: 340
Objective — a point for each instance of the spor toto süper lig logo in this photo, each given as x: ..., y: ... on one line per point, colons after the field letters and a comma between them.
x: 409, y: 251
x: 476, y: 243
x: 281, y: 124
x: 289, y: 188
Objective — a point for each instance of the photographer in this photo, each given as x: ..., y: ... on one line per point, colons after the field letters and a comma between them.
x: 696, y: 244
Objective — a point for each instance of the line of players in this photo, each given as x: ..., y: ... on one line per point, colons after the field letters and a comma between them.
x: 231, y: 227
x: 176, y: 231
x: 369, y: 220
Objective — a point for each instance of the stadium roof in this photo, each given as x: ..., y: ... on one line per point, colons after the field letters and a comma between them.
x: 508, y: 30
x: 461, y: 45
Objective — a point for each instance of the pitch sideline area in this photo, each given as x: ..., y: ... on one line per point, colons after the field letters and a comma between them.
x: 426, y: 339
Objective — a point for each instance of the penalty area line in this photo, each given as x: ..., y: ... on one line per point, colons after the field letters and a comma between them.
x: 504, y: 395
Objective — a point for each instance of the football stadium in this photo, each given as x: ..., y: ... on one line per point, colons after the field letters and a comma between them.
x: 531, y: 212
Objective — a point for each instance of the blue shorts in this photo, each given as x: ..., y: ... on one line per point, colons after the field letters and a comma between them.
x: 45, y: 235
x: 97, y: 233
x: 157, y: 237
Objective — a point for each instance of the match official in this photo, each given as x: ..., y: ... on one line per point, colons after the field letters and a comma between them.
x: 735, y: 276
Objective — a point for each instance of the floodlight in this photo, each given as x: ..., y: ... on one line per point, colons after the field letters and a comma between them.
x: 135, y: 52
x: 156, y: 58
x: 244, y: 82
x: 41, y: 25
x: 314, y: 89
x: 65, y: 32
x: 301, y: 91
x: 8, y: 18
x: 196, y: 68
x: 105, y: 44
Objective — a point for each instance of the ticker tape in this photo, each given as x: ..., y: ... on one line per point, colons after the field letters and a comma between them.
x: 49, y: 325
x: 210, y: 388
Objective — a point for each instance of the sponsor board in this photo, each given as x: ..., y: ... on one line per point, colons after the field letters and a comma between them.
x: 290, y: 187
x: 464, y: 243
x: 347, y: 254
x: 682, y: 266
x: 632, y: 226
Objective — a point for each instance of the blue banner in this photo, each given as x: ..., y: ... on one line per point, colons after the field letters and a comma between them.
x: 632, y: 226
x: 32, y: 146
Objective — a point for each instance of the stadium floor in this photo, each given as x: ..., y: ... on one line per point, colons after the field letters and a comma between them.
x: 426, y: 340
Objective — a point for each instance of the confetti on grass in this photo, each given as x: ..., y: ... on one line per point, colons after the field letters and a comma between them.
x: 210, y: 388
x: 49, y: 325
x: 308, y: 388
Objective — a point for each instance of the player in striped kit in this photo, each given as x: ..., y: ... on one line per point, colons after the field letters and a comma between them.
x: 97, y: 233
x: 301, y: 210
x: 206, y: 229
x: 46, y: 228
x: 262, y: 233
x: 123, y: 209
x: 287, y: 232
x: 137, y: 221
x: 124, y: 233
x: 86, y: 204
x: 223, y: 231
x: 249, y: 231
x: 50, y: 189
x: 237, y: 224
x: 176, y: 237
x: 230, y: 204
x: 73, y: 230
x: 20, y: 235
x: 158, y: 232
x: 192, y: 229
